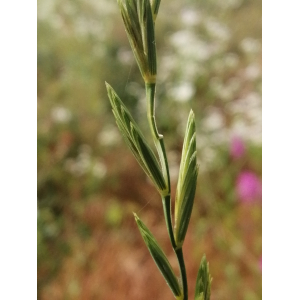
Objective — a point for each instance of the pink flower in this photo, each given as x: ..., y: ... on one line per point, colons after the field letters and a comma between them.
x: 237, y: 147
x: 248, y: 187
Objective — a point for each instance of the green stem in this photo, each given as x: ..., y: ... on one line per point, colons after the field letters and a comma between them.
x: 180, y: 259
x: 167, y: 213
x: 159, y: 144
x: 158, y: 138
x: 168, y: 217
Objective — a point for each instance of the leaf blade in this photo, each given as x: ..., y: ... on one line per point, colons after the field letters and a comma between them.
x: 203, y: 282
x: 159, y: 258
x: 187, y: 182
x: 136, y: 141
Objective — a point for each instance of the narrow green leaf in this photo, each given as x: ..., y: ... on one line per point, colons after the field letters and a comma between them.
x: 138, y: 20
x: 184, y: 216
x: 142, y: 16
x: 160, y: 258
x: 136, y: 141
x: 133, y: 30
x: 187, y: 181
x: 203, y: 283
x: 155, y: 6
x: 121, y: 112
x: 132, y: 146
x: 151, y: 47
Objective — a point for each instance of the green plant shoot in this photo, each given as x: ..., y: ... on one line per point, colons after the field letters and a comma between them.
x: 139, y: 18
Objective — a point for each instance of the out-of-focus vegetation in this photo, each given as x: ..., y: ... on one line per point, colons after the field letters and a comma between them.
x: 209, y: 58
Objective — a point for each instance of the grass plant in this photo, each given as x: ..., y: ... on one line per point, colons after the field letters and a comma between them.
x: 139, y: 19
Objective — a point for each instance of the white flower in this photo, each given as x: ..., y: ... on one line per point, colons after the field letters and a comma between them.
x: 190, y: 46
x: 190, y: 17
x: 250, y: 45
x: 109, y: 136
x: 252, y: 72
x: 125, y: 56
x: 61, y: 114
x: 214, y: 120
x: 217, y: 30
x: 183, y: 92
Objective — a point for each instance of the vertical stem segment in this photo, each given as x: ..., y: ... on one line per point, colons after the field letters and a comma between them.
x: 159, y: 144
x: 158, y: 138
x: 167, y: 213
x: 180, y: 259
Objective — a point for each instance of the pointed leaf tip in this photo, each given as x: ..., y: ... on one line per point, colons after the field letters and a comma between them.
x: 203, y: 283
x: 135, y: 216
x: 136, y: 141
x: 187, y: 181
x: 159, y: 258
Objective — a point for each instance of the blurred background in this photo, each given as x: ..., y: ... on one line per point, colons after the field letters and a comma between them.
x: 209, y: 59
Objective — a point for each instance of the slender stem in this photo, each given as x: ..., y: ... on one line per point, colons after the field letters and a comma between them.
x: 159, y: 144
x: 158, y: 138
x: 179, y: 254
x: 168, y: 217
x: 180, y: 259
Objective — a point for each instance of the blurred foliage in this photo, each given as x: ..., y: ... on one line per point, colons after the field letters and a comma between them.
x: 209, y: 58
